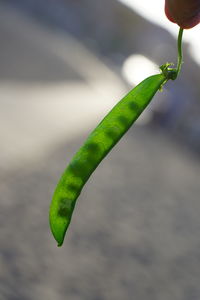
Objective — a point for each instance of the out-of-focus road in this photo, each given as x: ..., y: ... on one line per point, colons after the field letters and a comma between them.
x: 50, y: 86
x: 135, y: 230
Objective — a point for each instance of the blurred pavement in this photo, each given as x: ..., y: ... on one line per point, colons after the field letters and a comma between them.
x: 50, y: 86
x: 135, y: 230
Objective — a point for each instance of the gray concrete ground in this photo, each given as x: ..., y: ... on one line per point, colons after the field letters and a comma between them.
x: 135, y: 230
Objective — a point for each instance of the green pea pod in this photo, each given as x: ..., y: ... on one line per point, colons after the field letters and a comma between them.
x: 95, y: 148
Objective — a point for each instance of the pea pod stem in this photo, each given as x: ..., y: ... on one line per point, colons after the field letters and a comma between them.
x: 180, y: 54
x: 167, y: 70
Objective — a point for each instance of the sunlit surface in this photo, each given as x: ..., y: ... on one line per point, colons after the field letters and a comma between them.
x: 154, y: 12
x: 137, y: 67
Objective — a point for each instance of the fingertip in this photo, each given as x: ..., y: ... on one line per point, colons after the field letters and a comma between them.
x: 168, y: 14
x: 192, y: 22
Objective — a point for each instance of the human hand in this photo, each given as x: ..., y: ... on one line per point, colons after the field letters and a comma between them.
x: 186, y: 13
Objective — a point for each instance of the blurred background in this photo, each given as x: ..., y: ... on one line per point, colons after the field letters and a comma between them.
x: 135, y: 229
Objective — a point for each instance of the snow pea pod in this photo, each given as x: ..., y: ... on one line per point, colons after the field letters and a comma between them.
x: 101, y: 140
